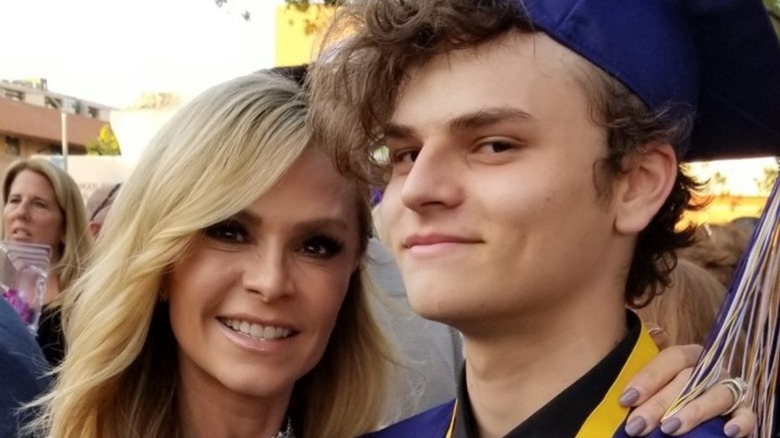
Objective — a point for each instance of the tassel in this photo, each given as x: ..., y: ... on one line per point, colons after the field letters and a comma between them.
x: 744, y: 337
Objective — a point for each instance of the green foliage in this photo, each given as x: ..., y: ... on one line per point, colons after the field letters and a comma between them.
x: 105, y: 144
x: 766, y: 181
x: 773, y: 8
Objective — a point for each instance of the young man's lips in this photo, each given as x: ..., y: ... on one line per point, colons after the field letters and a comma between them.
x: 436, y: 239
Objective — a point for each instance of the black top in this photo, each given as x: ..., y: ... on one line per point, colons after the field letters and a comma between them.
x: 50, y: 336
x: 564, y: 415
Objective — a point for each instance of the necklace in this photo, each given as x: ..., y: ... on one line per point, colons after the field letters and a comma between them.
x: 287, y: 432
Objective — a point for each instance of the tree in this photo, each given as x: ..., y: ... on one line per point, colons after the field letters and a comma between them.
x: 767, y: 180
x: 245, y: 14
x: 105, y: 144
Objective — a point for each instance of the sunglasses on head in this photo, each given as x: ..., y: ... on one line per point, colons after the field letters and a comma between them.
x: 106, y: 201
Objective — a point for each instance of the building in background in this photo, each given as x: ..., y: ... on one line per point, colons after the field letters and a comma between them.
x: 31, y: 120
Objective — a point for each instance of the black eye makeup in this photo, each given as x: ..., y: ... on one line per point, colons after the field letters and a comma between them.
x: 228, y: 231
x: 321, y: 246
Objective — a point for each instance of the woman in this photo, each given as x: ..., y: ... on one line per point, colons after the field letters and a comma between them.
x: 686, y: 310
x: 217, y: 282
x: 42, y: 204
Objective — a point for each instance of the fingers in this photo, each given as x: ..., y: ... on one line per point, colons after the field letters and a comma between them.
x: 742, y: 423
x: 709, y: 405
x: 647, y: 416
x: 714, y: 402
x: 657, y: 374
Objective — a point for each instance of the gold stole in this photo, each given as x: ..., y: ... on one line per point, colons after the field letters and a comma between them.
x: 609, y: 414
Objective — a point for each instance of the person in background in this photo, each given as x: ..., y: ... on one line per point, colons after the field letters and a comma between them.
x: 684, y: 312
x: 98, y: 205
x: 42, y: 204
x: 718, y: 248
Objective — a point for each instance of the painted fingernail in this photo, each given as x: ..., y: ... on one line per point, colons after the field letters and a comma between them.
x: 732, y: 431
x: 635, y: 426
x: 671, y: 425
x: 629, y: 397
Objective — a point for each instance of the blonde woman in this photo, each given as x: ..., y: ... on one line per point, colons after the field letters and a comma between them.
x: 231, y: 257
x: 684, y: 312
x: 42, y: 204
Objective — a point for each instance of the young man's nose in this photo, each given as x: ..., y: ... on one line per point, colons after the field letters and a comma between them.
x: 434, y: 179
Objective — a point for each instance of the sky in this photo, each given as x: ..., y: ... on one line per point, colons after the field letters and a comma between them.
x: 111, y: 51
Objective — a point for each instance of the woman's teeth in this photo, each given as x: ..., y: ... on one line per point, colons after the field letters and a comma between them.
x: 256, y: 331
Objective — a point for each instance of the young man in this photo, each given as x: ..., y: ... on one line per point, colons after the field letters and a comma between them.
x: 534, y: 184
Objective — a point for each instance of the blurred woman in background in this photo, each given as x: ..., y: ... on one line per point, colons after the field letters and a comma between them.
x: 42, y: 204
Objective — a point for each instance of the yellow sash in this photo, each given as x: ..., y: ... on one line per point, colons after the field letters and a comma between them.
x: 609, y: 414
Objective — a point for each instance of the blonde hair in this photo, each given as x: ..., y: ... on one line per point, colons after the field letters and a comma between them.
x: 77, y: 242
x: 214, y: 157
x: 687, y: 309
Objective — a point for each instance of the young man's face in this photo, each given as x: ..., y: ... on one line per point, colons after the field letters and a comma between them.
x: 492, y: 209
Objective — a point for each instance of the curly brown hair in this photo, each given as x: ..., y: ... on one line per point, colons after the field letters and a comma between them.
x: 358, y: 79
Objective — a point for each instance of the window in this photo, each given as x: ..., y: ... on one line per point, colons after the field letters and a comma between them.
x: 14, y: 94
x: 53, y: 102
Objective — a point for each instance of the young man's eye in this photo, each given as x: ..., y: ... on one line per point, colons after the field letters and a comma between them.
x: 228, y: 231
x: 321, y: 247
x: 405, y: 156
x: 496, y: 147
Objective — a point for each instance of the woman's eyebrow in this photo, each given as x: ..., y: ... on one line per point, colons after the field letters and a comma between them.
x: 321, y: 224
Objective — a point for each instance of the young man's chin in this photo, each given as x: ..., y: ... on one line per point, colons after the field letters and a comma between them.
x: 441, y: 304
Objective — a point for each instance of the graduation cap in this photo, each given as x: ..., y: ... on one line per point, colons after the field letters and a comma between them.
x: 720, y: 58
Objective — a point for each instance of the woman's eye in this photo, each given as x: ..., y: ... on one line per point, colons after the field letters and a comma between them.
x: 321, y: 247
x: 228, y: 231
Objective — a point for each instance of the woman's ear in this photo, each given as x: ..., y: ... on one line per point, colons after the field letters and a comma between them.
x: 644, y: 189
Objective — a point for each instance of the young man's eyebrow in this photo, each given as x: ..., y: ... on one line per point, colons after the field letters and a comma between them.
x: 486, y: 117
x: 473, y: 120
x: 397, y: 130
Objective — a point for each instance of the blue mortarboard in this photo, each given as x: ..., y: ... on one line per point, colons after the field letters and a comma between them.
x: 719, y: 57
